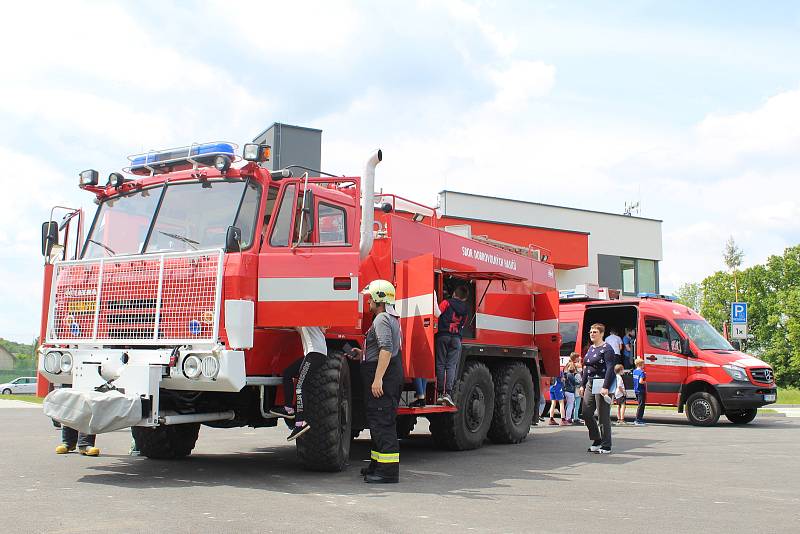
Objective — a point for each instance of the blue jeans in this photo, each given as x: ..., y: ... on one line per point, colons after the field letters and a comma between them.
x: 448, y: 354
x: 71, y: 437
x: 576, y: 412
x: 419, y: 387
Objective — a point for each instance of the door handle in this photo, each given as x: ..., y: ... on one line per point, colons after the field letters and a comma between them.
x: 426, y: 322
x: 342, y: 283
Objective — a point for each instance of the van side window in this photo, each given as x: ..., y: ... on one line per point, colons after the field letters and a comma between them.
x: 661, y: 335
x: 283, y: 222
x: 569, y: 337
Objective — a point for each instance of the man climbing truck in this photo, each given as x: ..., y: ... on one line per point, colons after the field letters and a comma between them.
x: 179, y: 307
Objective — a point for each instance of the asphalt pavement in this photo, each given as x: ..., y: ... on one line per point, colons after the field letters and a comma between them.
x: 664, y: 477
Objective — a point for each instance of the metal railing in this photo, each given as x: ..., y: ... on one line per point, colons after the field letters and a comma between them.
x: 151, y: 299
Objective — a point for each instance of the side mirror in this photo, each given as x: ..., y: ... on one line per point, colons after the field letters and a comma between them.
x: 685, y: 349
x: 49, y: 236
x: 308, y: 202
x: 233, y: 239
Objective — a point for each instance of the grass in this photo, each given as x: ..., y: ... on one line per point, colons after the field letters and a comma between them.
x: 27, y: 398
x: 788, y: 396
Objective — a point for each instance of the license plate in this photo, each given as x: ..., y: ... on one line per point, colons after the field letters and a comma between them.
x: 82, y: 306
x: 769, y: 398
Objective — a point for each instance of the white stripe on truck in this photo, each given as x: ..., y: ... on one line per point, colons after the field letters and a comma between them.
x: 305, y: 290
x: 504, y: 324
x: 415, y: 306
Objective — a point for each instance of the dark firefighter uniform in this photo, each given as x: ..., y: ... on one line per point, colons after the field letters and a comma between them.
x: 384, y: 334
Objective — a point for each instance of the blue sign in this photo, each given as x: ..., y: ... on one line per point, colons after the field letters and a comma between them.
x: 738, y: 312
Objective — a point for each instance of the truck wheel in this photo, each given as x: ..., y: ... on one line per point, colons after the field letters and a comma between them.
x: 405, y: 425
x: 326, y: 447
x: 513, y: 403
x: 741, y: 417
x: 166, y: 442
x: 474, y: 396
x: 702, y: 409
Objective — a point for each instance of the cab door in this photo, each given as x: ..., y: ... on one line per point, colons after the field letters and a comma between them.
x: 308, y: 277
x: 664, y: 364
x: 415, y: 303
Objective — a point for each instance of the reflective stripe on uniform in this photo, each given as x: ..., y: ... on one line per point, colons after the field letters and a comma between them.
x: 385, y: 457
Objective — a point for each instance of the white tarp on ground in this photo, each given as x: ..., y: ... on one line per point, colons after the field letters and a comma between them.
x: 93, y: 412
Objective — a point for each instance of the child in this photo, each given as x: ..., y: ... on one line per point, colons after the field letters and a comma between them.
x: 452, y: 319
x: 619, y: 394
x: 570, y: 381
x: 640, y: 388
x: 557, y: 396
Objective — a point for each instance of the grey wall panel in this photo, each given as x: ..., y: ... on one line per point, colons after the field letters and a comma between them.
x: 608, y: 271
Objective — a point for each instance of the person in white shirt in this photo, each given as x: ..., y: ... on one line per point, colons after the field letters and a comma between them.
x: 614, y: 341
x: 619, y: 394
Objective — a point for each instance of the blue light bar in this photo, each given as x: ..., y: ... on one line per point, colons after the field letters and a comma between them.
x: 186, y: 157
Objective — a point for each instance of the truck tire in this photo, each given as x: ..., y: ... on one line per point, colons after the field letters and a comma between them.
x: 741, y: 417
x: 326, y: 447
x: 474, y: 396
x: 702, y: 409
x: 514, y: 403
x: 405, y: 425
x: 166, y: 442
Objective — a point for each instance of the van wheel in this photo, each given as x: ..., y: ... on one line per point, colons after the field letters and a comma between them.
x: 166, y: 442
x: 474, y: 397
x: 702, y: 409
x: 326, y: 447
x: 514, y: 404
x: 741, y: 417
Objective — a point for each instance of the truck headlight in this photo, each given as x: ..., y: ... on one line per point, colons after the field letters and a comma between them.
x: 51, y: 362
x: 65, y: 362
x: 210, y: 367
x: 737, y: 373
x: 191, y: 367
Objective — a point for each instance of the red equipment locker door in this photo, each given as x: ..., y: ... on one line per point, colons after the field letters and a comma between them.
x: 308, y: 281
x: 415, y: 302
x: 545, y: 331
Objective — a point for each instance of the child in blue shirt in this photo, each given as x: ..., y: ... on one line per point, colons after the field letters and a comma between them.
x: 640, y: 388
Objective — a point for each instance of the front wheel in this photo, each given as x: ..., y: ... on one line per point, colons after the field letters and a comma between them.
x: 6, y: 391
x: 702, y: 409
x: 326, y: 447
x: 741, y: 417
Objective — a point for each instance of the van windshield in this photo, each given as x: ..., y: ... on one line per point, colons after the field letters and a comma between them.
x: 703, y: 334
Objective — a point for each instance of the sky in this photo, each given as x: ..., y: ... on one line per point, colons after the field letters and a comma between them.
x: 690, y: 108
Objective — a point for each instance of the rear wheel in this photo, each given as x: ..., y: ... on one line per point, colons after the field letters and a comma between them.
x: 166, y: 442
x: 474, y: 397
x: 702, y: 409
x: 326, y: 447
x: 513, y: 403
x: 741, y: 417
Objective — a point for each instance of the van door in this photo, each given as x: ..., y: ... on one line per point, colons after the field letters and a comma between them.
x: 415, y: 304
x: 308, y: 265
x: 666, y: 368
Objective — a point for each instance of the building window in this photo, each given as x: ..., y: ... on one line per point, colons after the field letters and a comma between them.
x: 646, y: 276
x: 628, y: 268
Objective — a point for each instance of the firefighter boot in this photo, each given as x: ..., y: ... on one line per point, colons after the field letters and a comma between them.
x: 384, y: 474
x: 89, y: 451
x: 64, y: 448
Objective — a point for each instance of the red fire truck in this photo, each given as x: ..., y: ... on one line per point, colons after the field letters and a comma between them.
x: 688, y: 363
x: 178, y: 308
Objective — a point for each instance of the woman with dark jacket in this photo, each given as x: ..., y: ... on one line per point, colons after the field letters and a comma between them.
x: 598, y: 365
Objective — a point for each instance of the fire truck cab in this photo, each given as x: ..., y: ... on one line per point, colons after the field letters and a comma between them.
x: 688, y: 363
x: 180, y: 306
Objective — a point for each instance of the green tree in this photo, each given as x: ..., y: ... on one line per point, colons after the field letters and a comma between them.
x: 690, y: 294
x: 733, y: 256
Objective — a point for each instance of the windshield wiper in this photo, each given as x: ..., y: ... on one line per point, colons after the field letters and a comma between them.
x: 191, y: 242
x: 108, y: 249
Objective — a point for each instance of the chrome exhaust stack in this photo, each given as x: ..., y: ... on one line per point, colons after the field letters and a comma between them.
x: 368, y: 203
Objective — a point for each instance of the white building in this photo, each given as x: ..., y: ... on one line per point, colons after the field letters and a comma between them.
x: 621, y: 251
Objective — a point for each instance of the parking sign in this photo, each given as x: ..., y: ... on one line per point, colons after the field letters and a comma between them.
x: 738, y: 312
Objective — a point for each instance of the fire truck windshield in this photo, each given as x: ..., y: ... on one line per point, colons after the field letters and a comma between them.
x: 191, y: 216
x: 703, y: 334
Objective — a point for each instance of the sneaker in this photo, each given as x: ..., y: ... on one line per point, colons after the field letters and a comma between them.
x: 552, y: 422
x: 640, y: 423
x: 89, y: 451
x: 595, y: 446
x: 282, y: 411
x: 298, y: 431
x: 564, y: 422
x: 577, y: 421
x: 419, y: 403
x: 603, y: 450
x: 447, y: 401
x: 64, y: 448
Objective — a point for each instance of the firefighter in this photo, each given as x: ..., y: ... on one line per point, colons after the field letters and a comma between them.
x: 382, y: 374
